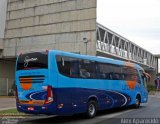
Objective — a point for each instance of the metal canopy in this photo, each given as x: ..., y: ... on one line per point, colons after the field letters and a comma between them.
x: 109, y: 42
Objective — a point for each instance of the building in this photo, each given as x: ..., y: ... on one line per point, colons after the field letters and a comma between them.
x: 32, y: 25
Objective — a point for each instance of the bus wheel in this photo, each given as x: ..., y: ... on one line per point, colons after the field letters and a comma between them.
x: 138, y: 101
x: 91, y: 109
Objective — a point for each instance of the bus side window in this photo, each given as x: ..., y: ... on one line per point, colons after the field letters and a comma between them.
x: 109, y: 71
x: 138, y: 77
x: 122, y: 76
x: 74, y: 68
x: 130, y: 73
x: 87, y: 69
x: 63, y: 65
x: 103, y: 71
x: 68, y: 66
x: 144, y: 79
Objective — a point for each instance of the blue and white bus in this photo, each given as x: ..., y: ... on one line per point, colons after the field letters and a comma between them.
x: 61, y: 83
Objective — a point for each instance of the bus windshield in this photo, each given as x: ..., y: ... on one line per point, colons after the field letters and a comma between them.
x: 37, y: 60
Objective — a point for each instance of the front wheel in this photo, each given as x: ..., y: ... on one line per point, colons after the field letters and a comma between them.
x: 91, y: 109
x: 138, y: 101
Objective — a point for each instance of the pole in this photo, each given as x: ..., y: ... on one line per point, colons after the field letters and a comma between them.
x: 85, y: 41
x: 86, y: 48
x: 7, y: 85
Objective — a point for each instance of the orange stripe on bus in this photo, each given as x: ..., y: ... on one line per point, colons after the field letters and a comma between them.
x: 131, y: 84
x: 25, y: 78
x: 129, y: 64
x: 25, y: 81
x: 33, y: 102
x: 26, y: 86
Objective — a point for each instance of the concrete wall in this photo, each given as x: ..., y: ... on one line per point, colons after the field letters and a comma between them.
x: 3, y: 8
x: 7, y: 75
x: 1, y: 44
x: 153, y: 75
x: 50, y: 24
x: 1, y: 47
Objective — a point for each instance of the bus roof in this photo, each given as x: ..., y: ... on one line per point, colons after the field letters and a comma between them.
x: 94, y: 58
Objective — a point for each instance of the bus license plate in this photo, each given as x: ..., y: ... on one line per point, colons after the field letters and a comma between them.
x: 30, y: 108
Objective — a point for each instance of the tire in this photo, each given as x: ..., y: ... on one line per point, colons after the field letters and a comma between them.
x: 138, y: 101
x: 91, y: 109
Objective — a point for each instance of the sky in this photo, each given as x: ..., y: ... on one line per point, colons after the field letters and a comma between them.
x: 136, y: 20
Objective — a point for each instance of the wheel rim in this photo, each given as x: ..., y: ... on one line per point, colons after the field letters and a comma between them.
x: 91, y: 109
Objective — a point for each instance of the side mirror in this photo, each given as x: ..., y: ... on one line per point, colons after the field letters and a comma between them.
x: 148, y: 77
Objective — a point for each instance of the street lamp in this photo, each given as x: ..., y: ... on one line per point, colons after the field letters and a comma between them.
x: 85, y: 41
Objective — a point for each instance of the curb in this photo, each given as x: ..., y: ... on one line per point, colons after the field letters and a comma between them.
x: 154, y: 96
x: 1, y: 109
x: 15, y: 115
x: 12, y: 114
x: 7, y: 97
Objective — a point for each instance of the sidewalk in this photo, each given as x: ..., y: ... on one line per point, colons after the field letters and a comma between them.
x: 155, y: 94
x: 7, y: 103
x: 1, y: 109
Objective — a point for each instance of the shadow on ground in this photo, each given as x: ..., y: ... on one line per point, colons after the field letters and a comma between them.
x: 69, y: 119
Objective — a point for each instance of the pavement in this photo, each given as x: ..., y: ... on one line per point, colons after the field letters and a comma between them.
x: 7, y: 103
x: 154, y: 94
x: 157, y: 94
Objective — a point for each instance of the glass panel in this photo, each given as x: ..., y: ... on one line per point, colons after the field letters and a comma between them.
x: 32, y: 61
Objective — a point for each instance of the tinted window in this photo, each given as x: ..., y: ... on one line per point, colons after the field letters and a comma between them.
x: 75, y: 68
x: 130, y: 73
x: 80, y: 68
x: 109, y: 71
x: 87, y: 69
x: 32, y: 61
x: 144, y: 78
x: 68, y: 66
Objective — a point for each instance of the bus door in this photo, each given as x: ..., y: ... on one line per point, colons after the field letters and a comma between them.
x: 143, y: 87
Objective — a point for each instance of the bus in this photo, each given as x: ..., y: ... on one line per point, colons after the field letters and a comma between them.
x: 54, y: 82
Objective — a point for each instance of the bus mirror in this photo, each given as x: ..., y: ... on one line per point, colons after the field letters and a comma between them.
x: 148, y: 77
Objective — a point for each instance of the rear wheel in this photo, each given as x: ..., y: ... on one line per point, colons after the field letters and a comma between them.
x: 138, y: 101
x: 91, y: 109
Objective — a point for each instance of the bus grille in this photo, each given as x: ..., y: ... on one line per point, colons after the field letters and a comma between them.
x: 32, y: 79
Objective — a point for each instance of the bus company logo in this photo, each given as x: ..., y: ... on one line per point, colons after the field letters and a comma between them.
x: 27, y: 60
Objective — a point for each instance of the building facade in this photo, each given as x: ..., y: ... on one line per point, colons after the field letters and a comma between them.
x: 68, y: 25
x: 33, y: 25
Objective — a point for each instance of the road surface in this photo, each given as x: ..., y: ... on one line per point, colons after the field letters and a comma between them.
x: 148, y: 111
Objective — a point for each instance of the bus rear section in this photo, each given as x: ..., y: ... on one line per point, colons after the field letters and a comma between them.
x: 34, y: 94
